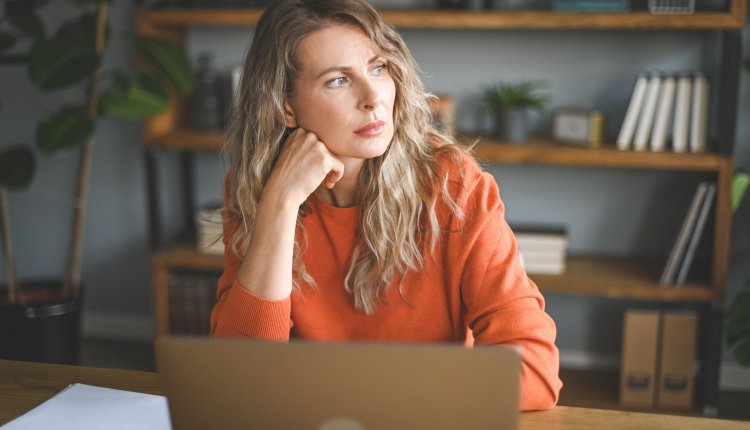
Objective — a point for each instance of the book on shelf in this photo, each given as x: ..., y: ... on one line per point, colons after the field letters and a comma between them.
x: 664, y: 103
x: 663, y: 114
x: 542, y: 248
x: 627, y: 130
x: 699, y: 114
x: 209, y: 229
x: 688, y: 228
x: 646, y: 118
x: 696, y: 234
x: 682, y: 113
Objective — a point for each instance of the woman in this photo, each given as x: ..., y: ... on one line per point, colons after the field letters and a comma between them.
x: 348, y: 217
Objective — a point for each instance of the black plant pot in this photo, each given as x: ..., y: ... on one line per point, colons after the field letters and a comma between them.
x: 44, y: 329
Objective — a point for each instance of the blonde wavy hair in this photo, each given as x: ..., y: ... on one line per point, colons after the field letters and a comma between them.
x: 398, y: 189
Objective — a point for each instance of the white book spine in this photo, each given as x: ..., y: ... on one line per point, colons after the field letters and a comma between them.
x: 663, y: 114
x: 682, y: 114
x: 631, y: 115
x: 699, y: 116
x: 647, y: 114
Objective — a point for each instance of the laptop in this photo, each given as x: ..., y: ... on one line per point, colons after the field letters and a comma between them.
x: 233, y: 383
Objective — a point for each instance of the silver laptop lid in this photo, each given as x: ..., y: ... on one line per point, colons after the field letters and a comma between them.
x: 246, y: 384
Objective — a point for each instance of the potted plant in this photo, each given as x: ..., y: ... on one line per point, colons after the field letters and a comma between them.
x: 509, y: 104
x: 41, y: 320
x: 737, y: 325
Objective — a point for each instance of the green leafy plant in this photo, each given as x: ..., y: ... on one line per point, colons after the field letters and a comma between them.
x: 737, y: 324
x: 522, y: 94
x: 72, y: 56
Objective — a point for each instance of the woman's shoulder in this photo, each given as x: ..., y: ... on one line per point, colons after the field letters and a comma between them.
x: 460, y: 170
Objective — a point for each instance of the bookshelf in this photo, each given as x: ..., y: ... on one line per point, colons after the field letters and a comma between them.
x: 592, y: 275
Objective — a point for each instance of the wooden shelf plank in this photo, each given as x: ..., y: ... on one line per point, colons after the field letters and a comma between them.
x: 619, y: 278
x: 606, y: 277
x: 545, y: 151
x: 188, y: 140
x: 458, y: 19
x: 539, y: 151
x: 186, y: 257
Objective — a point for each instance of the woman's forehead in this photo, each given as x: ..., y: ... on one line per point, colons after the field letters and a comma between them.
x: 335, y: 45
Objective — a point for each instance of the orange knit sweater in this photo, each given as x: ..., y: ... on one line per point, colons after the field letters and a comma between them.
x: 472, y: 281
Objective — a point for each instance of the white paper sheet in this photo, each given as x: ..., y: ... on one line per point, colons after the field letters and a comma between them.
x: 86, y: 407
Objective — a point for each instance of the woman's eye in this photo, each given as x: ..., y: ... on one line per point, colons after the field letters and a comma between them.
x: 336, y: 82
x: 379, y: 69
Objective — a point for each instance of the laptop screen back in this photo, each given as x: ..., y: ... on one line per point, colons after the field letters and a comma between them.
x: 242, y: 384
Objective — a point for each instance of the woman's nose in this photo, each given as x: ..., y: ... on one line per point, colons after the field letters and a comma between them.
x: 370, y: 97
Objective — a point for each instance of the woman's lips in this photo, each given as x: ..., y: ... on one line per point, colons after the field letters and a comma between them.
x: 371, y: 129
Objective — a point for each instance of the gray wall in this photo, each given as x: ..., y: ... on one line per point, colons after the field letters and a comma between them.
x: 606, y: 211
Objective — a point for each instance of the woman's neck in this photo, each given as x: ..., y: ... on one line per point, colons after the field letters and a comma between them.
x: 346, y: 191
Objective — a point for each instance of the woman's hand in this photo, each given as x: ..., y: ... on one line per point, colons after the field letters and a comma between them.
x: 304, y: 163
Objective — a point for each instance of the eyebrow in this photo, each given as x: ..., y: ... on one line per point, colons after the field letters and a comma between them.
x: 344, y: 68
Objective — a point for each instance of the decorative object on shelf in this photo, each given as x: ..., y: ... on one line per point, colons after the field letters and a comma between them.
x: 671, y: 6
x: 737, y: 324
x: 206, y: 111
x: 579, y: 127
x: 591, y: 6
x: 665, y: 101
x: 72, y: 56
x: 510, y: 103
x: 443, y: 113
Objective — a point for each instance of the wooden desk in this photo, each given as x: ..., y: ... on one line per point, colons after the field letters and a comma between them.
x: 25, y: 385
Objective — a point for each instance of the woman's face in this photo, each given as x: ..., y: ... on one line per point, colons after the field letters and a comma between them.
x: 344, y: 92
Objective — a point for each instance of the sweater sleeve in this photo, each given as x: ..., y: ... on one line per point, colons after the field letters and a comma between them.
x: 238, y: 312
x: 504, y: 306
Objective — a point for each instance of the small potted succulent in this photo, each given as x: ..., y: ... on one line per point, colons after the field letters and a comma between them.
x: 509, y: 103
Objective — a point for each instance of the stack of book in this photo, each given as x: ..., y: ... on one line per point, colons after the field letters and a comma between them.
x: 662, y: 103
x: 209, y: 228
x: 681, y: 257
x: 542, y: 248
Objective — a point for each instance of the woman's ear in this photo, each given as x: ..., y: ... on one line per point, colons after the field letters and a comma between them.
x: 290, y: 120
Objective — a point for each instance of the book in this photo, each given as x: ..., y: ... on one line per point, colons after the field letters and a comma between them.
x: 695, y: 236
x: 682, y: 113
x: 541, y: 238
x: 699, y: 114
x: 544, y: 268
x: 663, y: 114
x: 627, y: 129
x: 680, y: 244
x: 646, y: 119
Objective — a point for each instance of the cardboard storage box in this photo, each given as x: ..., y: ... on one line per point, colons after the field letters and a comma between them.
x: 677, y: 361
x: 640, y: 346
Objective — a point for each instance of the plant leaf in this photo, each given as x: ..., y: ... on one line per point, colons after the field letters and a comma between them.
x: 142, y: 97
x: 739, y: 185
x: 6, y: 40
x: 24, y: 18
x: 53, y: 65
x: 17, y: 166
x: 81, y: 32
x: 66, y: 129
x: 737, y: 325
x: 170, y: 60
